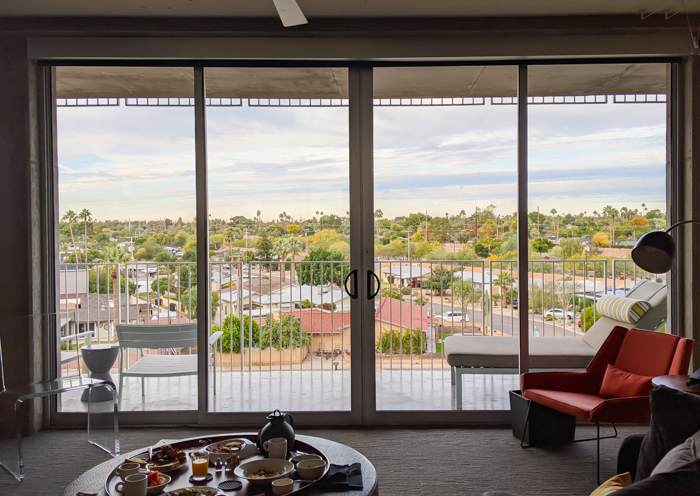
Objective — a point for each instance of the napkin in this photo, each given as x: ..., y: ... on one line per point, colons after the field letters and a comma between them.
x: 342, y: 477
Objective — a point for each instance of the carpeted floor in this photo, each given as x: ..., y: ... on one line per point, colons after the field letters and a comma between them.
x: 460, y: 461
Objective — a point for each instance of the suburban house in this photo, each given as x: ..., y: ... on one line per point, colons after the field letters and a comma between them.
x: 330, y: 331
x: 405, y: 275
x: 397, y: 315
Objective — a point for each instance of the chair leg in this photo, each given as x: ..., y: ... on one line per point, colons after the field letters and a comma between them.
x: 598, y: 452
x: 458, y: 387
x: 527, y: 419
x: 112, y: 448
x: 452, y: 375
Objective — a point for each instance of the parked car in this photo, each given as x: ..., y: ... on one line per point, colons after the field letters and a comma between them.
x: 559, y: 314
x: 416, y: 284
x: 455, y: 316
x: 514, y: 304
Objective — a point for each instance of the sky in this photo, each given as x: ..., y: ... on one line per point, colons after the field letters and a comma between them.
x: 138, y: 162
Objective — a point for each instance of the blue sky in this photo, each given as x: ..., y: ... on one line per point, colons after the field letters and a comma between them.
x: 138, y: 162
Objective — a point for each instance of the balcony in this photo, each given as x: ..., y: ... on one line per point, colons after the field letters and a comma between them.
x: 286, y: 331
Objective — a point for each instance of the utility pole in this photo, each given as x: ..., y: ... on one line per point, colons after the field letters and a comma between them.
x: 476, y: 216
x: 409, y: 244
x: 538, y: 222
x: 425, y: 238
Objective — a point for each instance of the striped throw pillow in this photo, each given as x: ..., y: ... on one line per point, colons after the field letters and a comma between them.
x: 621, y: 308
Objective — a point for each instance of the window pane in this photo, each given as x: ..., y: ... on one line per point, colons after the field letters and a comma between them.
x: 127, y: 232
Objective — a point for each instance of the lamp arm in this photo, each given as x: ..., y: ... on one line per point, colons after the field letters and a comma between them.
x: 681, y: 223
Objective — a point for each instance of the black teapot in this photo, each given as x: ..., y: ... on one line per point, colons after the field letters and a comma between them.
x: 277, y: 427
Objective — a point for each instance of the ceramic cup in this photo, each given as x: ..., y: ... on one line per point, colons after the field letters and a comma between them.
x: 282, y: 486
x: 276, y: 447
x: 133, y: 485
x: 127, y: 469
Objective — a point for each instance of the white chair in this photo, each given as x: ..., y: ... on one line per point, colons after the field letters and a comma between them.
x: 159, y: 337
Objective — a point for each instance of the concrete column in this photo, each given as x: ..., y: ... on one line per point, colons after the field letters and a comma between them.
x: 20, y: 279
x: 684, y: 188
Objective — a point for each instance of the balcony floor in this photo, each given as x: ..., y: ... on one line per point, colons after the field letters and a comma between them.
x: 320, y: 390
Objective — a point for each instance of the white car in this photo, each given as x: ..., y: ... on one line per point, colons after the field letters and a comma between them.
x: 559, y: 314
x: 455, y: 316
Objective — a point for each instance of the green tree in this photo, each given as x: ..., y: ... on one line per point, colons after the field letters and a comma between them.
x: 541, y: 245
x: 325, y: 272
x: 463, y: 292
x: 118, y: 258
x: 570, y: 247
x: 284, y: 333
x: 231, y: 339
x: 265, y: 251
x: 188, y: 299
x: 87, y: 217
x: 392, y: 292
x: 440, y: 281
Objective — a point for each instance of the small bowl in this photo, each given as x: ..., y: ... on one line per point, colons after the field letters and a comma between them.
x: 282, y: 486
x: 153, y: 490
x: 276, y: 465
x: 311, y: 469
x: 299, y: 458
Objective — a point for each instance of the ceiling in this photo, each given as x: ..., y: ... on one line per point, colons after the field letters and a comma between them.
x: 394, y: 82
x: 342, y: 8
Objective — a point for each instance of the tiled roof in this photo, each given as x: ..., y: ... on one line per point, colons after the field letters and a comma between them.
x: 316, y: 321
x: 402, y: 313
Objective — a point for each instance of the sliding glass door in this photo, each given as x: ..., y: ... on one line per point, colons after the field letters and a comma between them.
x: 356, y: 221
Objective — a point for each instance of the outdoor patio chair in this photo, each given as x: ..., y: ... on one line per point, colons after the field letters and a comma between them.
x: 157, y: 337
x: 13, y: 397
x: 68, y: 356
x: 499, y: 355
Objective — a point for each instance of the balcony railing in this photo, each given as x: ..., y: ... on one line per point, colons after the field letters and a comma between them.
x: 297, y: 316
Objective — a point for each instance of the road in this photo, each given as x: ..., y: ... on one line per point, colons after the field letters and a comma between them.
x: 507, y: 322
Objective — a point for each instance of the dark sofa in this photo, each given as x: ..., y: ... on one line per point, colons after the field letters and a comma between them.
x: 667, y: 459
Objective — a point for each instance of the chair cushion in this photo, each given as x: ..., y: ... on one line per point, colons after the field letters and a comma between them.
x: 620, y: 384
x: 613, y: 484
x: 675, y: 416
x: 498, y: 352
x: 576, y: 404
x: 647, y: 352
x: 683, y: 481
x: 681, y: 455
x: 621, y: 308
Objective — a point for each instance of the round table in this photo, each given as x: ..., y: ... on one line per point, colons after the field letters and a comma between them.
x: 93, y: 480
x: 675, y: 382
x: 99, y: 359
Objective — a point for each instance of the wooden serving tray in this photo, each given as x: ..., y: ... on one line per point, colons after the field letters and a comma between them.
x: 180, y: 477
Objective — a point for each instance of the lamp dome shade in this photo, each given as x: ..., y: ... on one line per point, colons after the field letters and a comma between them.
x: 654, y: 252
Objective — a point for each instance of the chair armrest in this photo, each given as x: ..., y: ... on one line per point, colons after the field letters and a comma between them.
x: 571, y: 382
x: 215, y: 337
x: 628, y: 454
x: 71, y: 337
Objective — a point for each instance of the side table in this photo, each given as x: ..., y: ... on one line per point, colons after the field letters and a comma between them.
x: 99, y: 359
x: 675, y: 382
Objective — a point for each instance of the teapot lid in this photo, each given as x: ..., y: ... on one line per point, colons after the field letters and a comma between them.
x: 276, y: 414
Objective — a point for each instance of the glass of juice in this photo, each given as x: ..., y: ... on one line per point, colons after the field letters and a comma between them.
x: 200, y: 464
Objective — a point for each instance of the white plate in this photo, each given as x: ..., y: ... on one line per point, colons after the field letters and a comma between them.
x: 248, y: 450
x: 280, y: 467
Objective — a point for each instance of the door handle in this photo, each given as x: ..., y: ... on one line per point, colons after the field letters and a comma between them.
x: 370, y: 274
x: 352, y: 274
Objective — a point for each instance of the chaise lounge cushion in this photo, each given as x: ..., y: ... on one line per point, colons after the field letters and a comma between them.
x: 502, y: 352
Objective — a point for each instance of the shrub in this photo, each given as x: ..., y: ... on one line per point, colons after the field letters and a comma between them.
x: 408, y: 342
x: 588, y: 318
x: 232, y: 333
x: 405, y: 291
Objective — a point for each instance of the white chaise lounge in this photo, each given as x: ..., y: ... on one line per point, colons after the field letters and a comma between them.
x: 499, y: 355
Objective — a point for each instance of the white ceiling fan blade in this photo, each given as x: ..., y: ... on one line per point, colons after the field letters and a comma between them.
x: 290, y: 13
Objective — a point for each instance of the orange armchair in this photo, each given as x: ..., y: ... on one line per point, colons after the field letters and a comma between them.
x: 644, y: 353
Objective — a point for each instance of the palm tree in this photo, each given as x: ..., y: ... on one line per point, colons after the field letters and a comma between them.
x: 644, y: 208
x: 281, y: 248
x: 86, y: 216
x: 294, y: 246
x: 228, y: 237
x: 611, y: 212
x: 554, y: 219
x: 118, y: 258
x: 259, y: 222
x: 71, y: 217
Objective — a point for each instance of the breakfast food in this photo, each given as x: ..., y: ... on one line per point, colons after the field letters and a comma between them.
x: 155, y: 479
x: 166, y: 455
x: 262, y: 474
x: 233, y: 446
